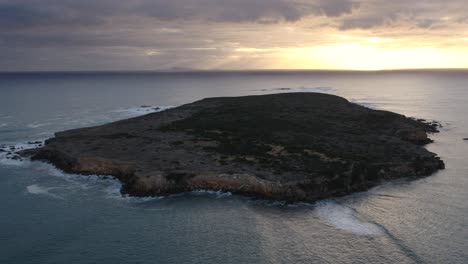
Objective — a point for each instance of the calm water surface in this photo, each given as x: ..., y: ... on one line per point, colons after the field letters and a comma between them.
x: 51, y: 217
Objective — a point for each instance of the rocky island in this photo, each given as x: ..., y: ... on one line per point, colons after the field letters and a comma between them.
x: 293, y: 146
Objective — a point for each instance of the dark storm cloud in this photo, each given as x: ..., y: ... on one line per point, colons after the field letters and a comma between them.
x: 334, y: 8
x: 23, y: 13
x: 20, y: 14
x: 70, y: 23
x: 417, y: 14
x: 246, y: 10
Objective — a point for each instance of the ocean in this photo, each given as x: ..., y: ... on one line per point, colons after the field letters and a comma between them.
x: 48, y: 216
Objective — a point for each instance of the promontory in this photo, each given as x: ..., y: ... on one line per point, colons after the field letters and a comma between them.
x: 291, y: 146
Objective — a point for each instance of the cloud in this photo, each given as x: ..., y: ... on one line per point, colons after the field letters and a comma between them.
x: 149, y: 34
x: 141, y: 23
x: 334, y: 8
x: 401, y: 13
x: 31, y: 13
x: 246, y: 10
x: 23, y: 14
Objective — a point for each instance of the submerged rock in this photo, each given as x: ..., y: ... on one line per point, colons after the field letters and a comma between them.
x: 295, y: 146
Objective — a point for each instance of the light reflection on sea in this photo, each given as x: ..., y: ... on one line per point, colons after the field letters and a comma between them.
x: 52, y: 217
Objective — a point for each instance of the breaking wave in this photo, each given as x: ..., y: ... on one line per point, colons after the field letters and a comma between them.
x: 217, y: 194
x: 9, y: 153
x: 142, y: 110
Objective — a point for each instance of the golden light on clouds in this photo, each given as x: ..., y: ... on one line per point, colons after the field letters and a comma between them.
x: 359, y: 57
x: 355, y: 52
x: 233, y: 35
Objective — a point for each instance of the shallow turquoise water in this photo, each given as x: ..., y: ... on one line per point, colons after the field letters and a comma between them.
x: 51, y: 217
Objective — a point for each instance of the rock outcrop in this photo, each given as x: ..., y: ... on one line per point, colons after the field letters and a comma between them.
x: 295, y: 146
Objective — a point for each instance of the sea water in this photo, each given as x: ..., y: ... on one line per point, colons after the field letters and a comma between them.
x: 47, y: 216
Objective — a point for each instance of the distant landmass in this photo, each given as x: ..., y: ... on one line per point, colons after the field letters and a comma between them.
x: 178, y: 69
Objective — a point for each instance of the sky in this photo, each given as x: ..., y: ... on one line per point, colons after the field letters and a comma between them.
x: 72, y: 35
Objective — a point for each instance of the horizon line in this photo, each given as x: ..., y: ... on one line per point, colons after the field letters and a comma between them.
x: 188, y: 70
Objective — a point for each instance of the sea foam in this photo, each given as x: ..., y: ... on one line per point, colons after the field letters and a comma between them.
x: 37, y: 125
x: 142, y: 110
x: 9, y: 156
x: 217, y: 194
x: 39, y: 190
x: 364, y: 103
x: 344, y: 218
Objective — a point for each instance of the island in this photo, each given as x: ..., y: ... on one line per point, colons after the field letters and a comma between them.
x: 290, y: 146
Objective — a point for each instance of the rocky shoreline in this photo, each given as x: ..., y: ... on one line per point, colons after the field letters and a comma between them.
x: 293, y: 146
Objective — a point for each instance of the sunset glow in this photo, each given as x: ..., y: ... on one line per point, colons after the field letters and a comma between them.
x: 230, y: 35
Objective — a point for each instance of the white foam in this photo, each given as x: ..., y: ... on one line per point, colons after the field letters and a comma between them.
x: 133, y: 199
x: 344, y: 218
x: 142, y: 110
x: 218, y: 194
x: 4, y: 160
x: 3, y: 125
x: 39, y: 190
x: 109, y: 185
x: 7, y: 159
x: 37, y: 125
x: 363, y: 103
x: 81, y: 181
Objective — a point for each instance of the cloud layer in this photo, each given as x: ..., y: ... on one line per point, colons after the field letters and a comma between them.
x: 156, y: 34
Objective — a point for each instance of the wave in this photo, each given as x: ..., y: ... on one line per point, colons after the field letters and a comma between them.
x: 364, y: 103
x: 111, y: 186
x: 142, y: 110
x: 115, y: 193
x: 39, y: 190
x: 217, y: 194
x: 3, y: 125
x: 108, y: 185
x: 344, y: 218
x: 9, y: 152
x: 37, y: 125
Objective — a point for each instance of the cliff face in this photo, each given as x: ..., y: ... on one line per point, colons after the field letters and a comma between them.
x: 299, y: 146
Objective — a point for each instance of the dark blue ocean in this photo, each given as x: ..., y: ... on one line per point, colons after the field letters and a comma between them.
x: 47, y: 216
